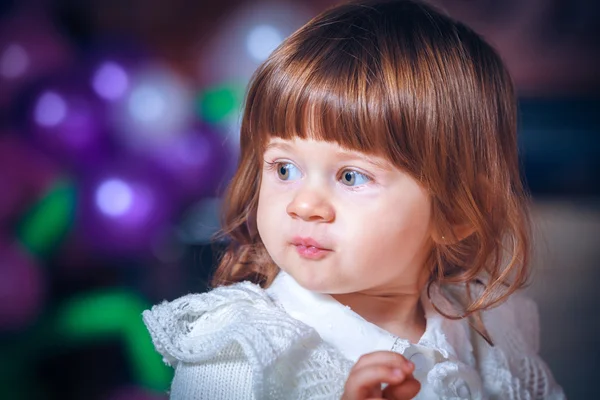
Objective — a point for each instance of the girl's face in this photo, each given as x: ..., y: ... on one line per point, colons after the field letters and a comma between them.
x: 341, y: 221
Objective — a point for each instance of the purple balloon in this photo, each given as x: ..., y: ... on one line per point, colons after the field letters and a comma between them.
x: 197, y: 162
x: 68, y: 120
x: 30, y: 47
x: 124, y: 207
x: 21, y: 287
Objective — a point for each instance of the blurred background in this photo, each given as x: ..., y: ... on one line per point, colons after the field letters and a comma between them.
x: 119, y: 130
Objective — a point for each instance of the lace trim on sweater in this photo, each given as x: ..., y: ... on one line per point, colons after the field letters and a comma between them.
x: 512, y: 369
x: 288, y: 358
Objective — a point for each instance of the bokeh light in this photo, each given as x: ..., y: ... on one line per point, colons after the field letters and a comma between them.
x: 115, y: 313
x: 196, y: 162
x: 67, y: 119
x: 49, y: 220
x: 220, y: 104
x: 246, y: 38
x: 110, y: 81
x: 50, y: 109
x: 30, y: 48
x: 14, y: 61
x: 157, y: 107
x: 262, y: 40
x: 123, y: 206
x: 114, y: 197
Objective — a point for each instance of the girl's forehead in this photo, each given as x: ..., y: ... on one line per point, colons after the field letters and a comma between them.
x: 297, y: 142
x: 332, y: 147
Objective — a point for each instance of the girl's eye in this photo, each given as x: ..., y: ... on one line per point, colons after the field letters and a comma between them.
x: 353, y: 178
x: 287, y: 171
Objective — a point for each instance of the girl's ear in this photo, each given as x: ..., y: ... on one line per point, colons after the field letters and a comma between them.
x: 453, y: 235
x: 461, y: 232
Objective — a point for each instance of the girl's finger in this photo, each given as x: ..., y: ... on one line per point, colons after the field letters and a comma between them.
x: 363, y: 382
x: 405, y: 390
x: 387, y: 358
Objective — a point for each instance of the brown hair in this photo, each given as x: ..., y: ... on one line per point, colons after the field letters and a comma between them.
x: 400, y: 80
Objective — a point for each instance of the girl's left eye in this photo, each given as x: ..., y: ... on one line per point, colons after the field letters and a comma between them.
x: 287, y: 171
x: 353, y: 178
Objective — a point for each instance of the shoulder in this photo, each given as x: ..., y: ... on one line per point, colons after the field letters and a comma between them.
x: 196, y: 327
x: 239, y: 328
x: 517, y: 316
x: 512, y: 367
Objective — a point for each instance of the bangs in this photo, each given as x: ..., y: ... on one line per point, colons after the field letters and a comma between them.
x: 327, y: 89
x: 393, y: 80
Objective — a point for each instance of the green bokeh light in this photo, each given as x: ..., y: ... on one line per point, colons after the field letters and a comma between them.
x: 116, y: 313
x: 220, y: 103
x: 43, y: 227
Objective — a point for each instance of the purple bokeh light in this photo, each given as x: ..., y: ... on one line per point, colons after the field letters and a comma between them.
x: 30, y: 48
x: 246, y: 38
x: 114, y: 197
x: 124, y: 206
x: 110, y: 81
x: 14, y: 61
x: 196, y: 162
x: 157, y: 106
x: 67, y: 120
x: 50, y: 109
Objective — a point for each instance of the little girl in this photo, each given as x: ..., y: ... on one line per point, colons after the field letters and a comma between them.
x: 377, y: 225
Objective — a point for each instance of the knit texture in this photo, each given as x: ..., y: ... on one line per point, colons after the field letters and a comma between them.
x: 235, y: 342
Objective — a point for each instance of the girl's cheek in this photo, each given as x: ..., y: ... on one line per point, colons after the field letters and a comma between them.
x: 269, y: 182
x: 360, y: 195
x: 274, y: 193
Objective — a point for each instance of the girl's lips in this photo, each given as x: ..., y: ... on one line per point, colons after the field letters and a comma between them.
x: 310, y: 248
x: 308, y: 242
x: 311, y: 252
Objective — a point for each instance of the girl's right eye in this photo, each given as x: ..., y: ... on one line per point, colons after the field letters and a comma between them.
x: 287, y: 171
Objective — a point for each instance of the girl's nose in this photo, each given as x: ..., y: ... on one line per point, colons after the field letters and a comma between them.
x: 311, y: 206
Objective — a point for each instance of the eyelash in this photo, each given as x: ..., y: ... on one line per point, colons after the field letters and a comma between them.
x: 274, y: 165
x: 271, y: 165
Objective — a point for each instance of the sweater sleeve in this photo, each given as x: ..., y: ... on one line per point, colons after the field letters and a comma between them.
x: 229, y: 378
x: 235, y: 343
x: 513, y: 368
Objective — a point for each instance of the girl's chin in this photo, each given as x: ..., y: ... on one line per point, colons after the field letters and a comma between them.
x: 315, y: 281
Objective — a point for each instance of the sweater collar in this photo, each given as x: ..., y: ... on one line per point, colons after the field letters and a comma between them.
x: 354, y: 336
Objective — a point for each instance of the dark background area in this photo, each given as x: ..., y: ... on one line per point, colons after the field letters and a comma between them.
x: 118, y: 133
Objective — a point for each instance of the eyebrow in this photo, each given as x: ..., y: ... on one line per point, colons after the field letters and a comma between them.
x: 341, y: 154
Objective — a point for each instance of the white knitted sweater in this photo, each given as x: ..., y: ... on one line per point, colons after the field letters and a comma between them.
x: 240, y: 342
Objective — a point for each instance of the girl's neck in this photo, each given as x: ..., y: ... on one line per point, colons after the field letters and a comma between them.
x: 402, y: 314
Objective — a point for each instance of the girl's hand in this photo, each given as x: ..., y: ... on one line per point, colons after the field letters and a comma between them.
x: 373, y: 369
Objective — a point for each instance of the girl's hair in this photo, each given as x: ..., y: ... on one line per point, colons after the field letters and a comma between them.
x: 400, y: 80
